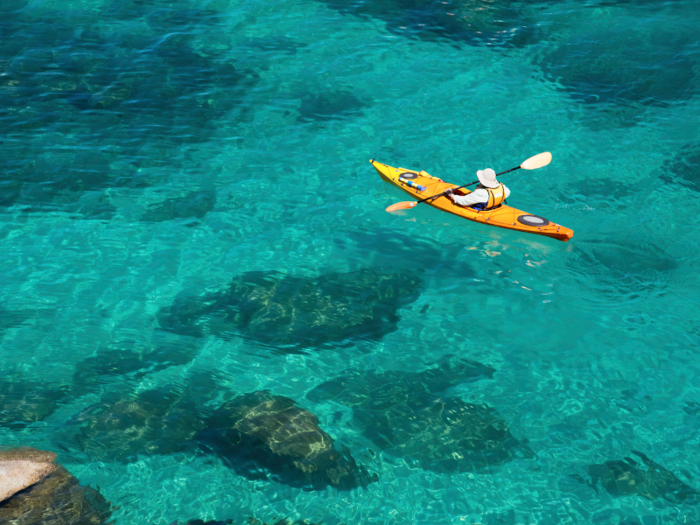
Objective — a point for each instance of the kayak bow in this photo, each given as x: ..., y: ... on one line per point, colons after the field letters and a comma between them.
x: 421, y: 186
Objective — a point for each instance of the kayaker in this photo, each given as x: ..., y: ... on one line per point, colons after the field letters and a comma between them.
x: 487, y: 195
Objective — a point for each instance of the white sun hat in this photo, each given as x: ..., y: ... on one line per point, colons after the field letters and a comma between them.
x: 487, y: 178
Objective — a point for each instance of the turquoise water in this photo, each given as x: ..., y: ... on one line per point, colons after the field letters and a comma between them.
x: 188, y: 214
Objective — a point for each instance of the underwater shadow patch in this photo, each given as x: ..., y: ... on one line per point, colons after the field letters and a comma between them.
x: 632, y: 477
x: 623, y: 272
x: 195, y: 205
x: 265, y: 436
x: 606, y: 67
x: 120, y: 363
x: 276, y: 44
x: 477, y: 23
x: 13, y: 318
x: 684, y: 168
x: 292, y: 314
x: 250, y: 521
x: 87, y: 106
x: 329, y: 105
x: 391, y: 249
x: 405, y: 415
x: 371, y: 389
x: 24, y: 402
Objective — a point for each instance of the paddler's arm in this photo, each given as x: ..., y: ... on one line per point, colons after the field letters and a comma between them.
x: 470, y: 199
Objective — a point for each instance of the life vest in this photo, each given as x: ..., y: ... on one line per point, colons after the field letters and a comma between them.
x: 496, y: 198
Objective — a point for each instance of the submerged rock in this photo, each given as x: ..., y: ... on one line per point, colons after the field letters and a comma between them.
x: 630, y: 478
x: 21, y: 468
x: 24, y: 402
x: 684, y: 168
x: 293, y: 314
x: 378, y: 390
x: 12, y: 318
x: 115, y: 363
x: 400, y: 413
x: 195, y: 204
x: 598, y: 64
x: 249, y: 521
x: 120, y: 428
x: 474, y: 23
x: 159, y: 421
x: 283, y: 521
x: 57, y: 499
x: 276, y: 44
x: 445, y: 434
x: 264, y: 436
x: 202, y: 522
x: 148, y: 94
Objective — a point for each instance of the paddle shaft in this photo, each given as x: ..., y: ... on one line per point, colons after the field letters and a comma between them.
x: 465, y: 185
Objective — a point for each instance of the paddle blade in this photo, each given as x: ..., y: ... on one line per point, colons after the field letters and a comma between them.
x: 538, y: 161
x: 405, y: 205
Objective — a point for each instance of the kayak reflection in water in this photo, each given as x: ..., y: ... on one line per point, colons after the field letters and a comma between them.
x: 489, y: 194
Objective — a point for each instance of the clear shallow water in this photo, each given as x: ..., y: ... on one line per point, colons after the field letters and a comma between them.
x: 155, y: 154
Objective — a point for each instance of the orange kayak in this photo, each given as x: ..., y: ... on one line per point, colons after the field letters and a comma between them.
x: 422, y: 186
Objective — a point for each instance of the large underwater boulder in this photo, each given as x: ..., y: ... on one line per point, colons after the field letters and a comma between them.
x: 21, y: 468
x: 648, y: 479
x: 125, y: 424
x: 265, y: 436
x: 406, y: 415
x: 291, y: 314
x: 445, y: 434
x: 50, y: 495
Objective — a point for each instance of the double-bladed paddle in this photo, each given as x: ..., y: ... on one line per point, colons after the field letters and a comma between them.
x: 533, y: 163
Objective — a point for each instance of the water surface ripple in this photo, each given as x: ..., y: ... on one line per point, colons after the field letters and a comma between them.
x: 207, y: 314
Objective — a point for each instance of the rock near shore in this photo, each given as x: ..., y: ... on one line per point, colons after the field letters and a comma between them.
x: 34, y: 490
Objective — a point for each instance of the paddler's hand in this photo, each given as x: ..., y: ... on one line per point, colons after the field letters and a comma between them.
x: 448, y: 194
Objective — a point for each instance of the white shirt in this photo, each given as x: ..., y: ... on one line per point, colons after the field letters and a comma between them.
x: 478, y: 195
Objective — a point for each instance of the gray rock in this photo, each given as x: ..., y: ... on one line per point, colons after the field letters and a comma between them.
x: 57, y: 499
x: 21, y: 468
